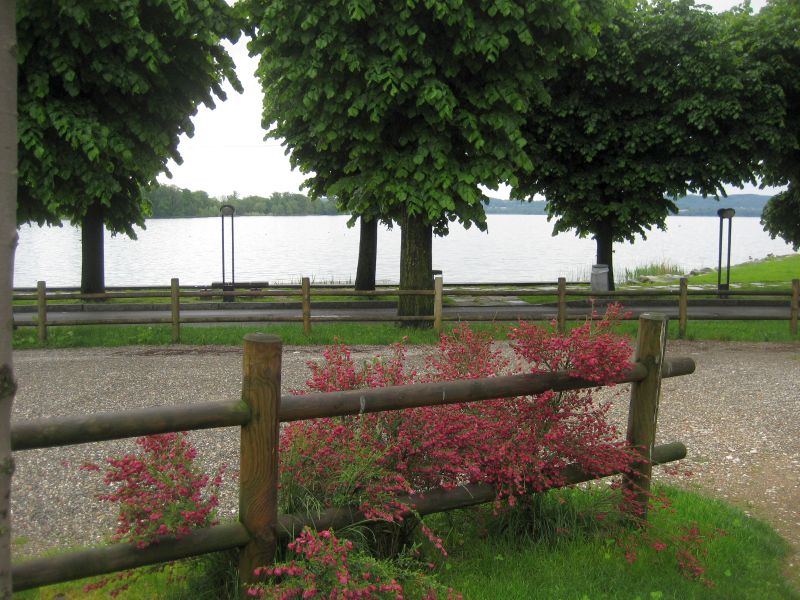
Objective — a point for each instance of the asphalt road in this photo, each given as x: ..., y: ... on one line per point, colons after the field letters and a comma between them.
x: 508, y: 311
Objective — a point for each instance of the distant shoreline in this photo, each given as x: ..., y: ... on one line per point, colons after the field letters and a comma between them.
x: 170, y: 202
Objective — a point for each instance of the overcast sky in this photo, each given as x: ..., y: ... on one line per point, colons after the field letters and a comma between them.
x: 228, y: 152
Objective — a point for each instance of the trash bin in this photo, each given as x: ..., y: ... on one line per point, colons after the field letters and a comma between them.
x: 599, y: 278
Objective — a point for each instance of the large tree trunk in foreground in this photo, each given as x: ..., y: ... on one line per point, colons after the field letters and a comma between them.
x: 605, y: 250
x: 8, y: 244
x: 93, y: 280
x: 416, y: 268
x: 367, y: 254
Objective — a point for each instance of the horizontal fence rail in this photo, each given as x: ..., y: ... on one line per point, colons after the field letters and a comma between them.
x: 336, y: 404
x: 64, y: 431
x: 119, y: 557
x: 259, y: 414
x: 445, y: 499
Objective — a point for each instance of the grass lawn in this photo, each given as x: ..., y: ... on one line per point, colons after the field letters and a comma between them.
x: 571, y: 557
x: 351, y: 333
x: 744, y: 561
x: 771, y: 270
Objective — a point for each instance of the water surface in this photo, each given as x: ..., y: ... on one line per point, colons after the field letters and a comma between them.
x: 517, y: 248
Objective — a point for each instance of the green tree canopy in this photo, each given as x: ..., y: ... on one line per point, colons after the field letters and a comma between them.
x: 401, y: 109
x: 105, y: 90
x: 170, y: 201
x: 772, y: 38
x: 669, y: 104
x: 781, y: 216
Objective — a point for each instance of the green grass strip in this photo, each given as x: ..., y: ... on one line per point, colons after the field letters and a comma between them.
x: 770, y: 270
x: 559, y: 552
x: 745, y: 561
x: 377, y: 334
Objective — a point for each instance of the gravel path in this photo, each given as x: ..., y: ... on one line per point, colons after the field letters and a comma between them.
x: 738, y: 416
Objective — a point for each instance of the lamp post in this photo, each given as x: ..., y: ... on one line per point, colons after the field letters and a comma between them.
x: 226, y: 210
x: 724, y: 213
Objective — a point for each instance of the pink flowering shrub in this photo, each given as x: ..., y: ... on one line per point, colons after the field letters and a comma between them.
x: 518, y: 445
x: 159, y: 490
x: 322, y: 566
x: 590, y: 351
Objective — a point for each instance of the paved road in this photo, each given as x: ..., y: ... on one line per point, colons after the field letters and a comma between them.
x: 506, y: 311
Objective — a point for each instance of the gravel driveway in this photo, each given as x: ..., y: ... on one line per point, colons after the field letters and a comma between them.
x: 738, y: 416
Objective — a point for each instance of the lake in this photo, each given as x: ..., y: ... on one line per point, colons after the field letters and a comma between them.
x: 517, y: 248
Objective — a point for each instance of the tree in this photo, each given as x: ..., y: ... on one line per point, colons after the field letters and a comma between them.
x: 170, y: 201
x: 771, y: 39
x: 781, y: 216
x: 105, y: 90
x: 8, y: 244
x: 668, y: 105
x: 367, y: 253
x: 403, y: 108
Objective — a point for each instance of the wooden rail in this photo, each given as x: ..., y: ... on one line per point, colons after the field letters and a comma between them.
x: 64, y: 431
x: 259, y: 413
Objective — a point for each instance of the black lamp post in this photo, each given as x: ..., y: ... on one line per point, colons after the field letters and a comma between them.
x: 226, y: 210
x: 724, y: 213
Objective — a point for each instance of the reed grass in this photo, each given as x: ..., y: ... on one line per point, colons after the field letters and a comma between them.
x: 656, y: 269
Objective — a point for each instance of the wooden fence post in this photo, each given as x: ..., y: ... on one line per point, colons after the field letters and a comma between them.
x: 306, y: 291
x: 793, y: 310
x: 258, y: 470
x: 438, y: 289
x: 41, y: 310
x: 643, y: 412
x: 562, y: 305
x: 175, y: 301
x: 683, y: 307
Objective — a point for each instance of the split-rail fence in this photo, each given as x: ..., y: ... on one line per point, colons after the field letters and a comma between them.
x: 306, y: 293
x: 259, y: 413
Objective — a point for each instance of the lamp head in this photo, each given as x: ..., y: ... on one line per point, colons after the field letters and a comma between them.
x: 726, y: 213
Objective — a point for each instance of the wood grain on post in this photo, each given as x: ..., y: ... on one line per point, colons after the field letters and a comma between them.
x: 41, y: 310
x: 643, y: 412
x: 258, y: 475
x: 562, y: 305
x: 795, y: 304
x: 175, y: 301
x: 683, y: 307
x: 438, y: 289
x: 306, y: 292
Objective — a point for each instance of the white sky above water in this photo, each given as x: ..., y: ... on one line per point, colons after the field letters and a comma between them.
x: 228, y: 152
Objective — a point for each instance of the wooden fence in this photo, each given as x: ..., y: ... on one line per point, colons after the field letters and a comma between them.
x: 306, y: 293
x: 259, y: 414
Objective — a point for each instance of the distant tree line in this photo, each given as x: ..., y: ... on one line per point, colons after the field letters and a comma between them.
x: 692, y: 205
x: 169, y: 201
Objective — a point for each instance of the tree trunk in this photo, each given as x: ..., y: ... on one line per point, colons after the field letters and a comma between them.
x: 416, y: 270
x: 605, y: 249
x: 367, y: 254
x: 8, y: 244
x: 92, y: 251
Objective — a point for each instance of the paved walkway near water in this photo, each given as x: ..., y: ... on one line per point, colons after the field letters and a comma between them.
x: 509, y: 310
